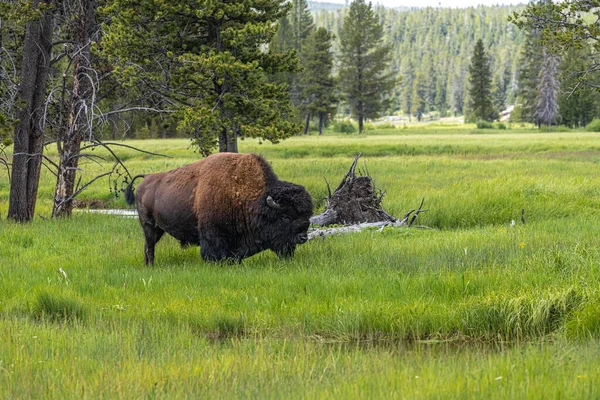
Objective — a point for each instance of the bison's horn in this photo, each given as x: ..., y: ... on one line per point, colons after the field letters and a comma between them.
x: 271, y: 203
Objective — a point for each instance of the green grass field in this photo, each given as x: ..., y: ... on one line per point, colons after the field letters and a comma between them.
x: 478, y: 307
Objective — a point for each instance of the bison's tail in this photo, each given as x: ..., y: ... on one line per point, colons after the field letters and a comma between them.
x: 129, y: 195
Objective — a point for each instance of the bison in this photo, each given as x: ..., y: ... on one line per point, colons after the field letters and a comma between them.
x: 231, y: 205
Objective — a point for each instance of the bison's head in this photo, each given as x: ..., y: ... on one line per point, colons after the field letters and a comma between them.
x: 287, y: 209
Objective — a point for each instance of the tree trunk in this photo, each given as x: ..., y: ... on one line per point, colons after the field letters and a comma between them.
x: 360, y: 124
x: 307, y: 123
x: 77, y: 122
x: 228, y: 141
x: 29, y: 137
x: 223, y: 141
x: 232, y: 142
x: 321, y: 118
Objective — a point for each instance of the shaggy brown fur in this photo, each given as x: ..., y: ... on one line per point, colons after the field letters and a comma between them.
x: 220, y: 203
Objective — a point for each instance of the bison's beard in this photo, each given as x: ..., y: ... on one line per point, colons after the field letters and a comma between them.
x: 286, y: 252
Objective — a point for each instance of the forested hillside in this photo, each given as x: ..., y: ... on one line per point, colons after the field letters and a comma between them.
x: 432, y: 48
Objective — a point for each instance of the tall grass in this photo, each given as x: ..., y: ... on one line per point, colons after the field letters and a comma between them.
x: 478, y: 307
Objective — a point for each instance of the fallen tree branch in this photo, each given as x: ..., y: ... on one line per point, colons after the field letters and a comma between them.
x: 361, y: 227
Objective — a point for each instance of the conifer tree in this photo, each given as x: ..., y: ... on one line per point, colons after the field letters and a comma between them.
x: 419, y: 97
x: 317, y: 81
x: 530, y: 63
x: 406, y: 89
x: 480, y: 97
x: 364, y: 58
x: 564, y: 25
x: 578, y: 102
x: 301, y: 23
x: 499, y: 90
x: 440, y: 96
x: 292, y: 34
x: 546, y: 111
x: 206, y: 59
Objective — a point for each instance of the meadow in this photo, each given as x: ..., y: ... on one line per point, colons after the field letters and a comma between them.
x: 479, y: 306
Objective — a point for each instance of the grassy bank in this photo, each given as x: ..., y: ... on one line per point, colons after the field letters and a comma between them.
x: 478, y: 307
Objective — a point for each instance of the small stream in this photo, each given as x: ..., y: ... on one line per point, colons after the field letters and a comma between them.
x: 115, y: 211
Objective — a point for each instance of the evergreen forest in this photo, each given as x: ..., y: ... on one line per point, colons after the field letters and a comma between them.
x: 432, y: 48
x: 80, y: 73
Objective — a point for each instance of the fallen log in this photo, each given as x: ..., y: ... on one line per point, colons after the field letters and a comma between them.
x: 356, y: 205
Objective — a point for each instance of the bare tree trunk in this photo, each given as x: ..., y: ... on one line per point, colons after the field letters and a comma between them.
x: 321, y: 118
x: 360, y: 124
x: 77, y: 121
x: 29, y: 137
x: 307, y: 123
x: 223, y: 141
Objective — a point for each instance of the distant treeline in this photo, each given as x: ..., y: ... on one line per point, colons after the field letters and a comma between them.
x: 432, y: 48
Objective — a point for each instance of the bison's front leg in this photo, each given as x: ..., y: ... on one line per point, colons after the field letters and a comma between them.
x: 213, y: 248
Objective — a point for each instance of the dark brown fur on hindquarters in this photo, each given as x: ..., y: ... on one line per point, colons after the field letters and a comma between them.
x: 231, y: 205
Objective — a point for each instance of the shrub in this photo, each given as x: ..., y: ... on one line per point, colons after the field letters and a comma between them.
x: 482, y: 124
x: 501, y: 125
x: 593, y: 126
x: 344, y: 127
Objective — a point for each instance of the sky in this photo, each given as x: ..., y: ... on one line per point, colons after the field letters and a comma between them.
x: 435, y: 3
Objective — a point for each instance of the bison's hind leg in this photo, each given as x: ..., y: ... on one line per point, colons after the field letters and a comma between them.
x: 153, y: 234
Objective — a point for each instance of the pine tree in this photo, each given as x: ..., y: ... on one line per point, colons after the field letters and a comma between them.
x: 440, y: 96
x: 294, y: 29
x: 578, y: 102
x: 419, y: 96
x: 206, y: 59
x: 431, y: 88
x: 457, y: 93
x: 317, y: 81
x: 562, y: 26
x: 301, y: 23
x: 480, y: 97
x: 530, y: 63
x: 406, y: 89
x: 363, y: 63
x: 499, y: 90
x: 546, y: 111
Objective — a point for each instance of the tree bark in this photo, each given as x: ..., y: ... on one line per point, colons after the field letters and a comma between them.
x: 29, y: 136
x: 228, y: 141
x: 223, y: 140
x: 232, y: 142
x: 77, y: 120
x: 321, y: 118
x: 307, y: 123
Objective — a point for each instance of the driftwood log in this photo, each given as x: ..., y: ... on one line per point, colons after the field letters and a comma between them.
x: 356, y: 204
